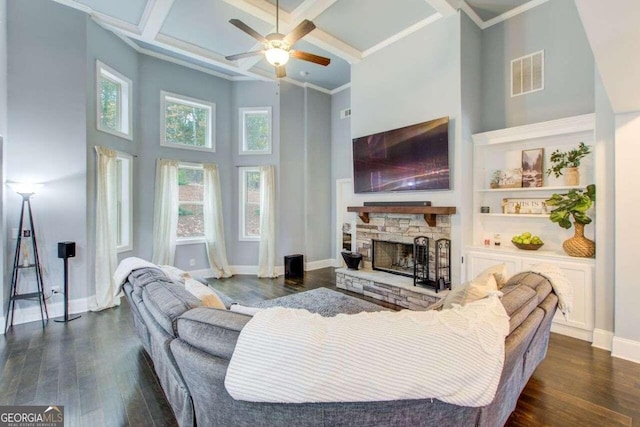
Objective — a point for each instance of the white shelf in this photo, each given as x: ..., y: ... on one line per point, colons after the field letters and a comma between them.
x: 523, y: 189
x: 545, y: 216
x: 508, y: 249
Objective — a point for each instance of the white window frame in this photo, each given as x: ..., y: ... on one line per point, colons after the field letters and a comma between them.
x: 243, y: 195
x: 125, y: 209
x: 126, y: 100
x: 193, y: 102
x: 521, y: 59
x: 243, y: 140
x: 191, y: 239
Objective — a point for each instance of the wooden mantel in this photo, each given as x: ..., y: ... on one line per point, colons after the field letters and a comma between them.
x: 429, y: 212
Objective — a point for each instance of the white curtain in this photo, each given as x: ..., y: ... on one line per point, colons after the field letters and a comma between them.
x: 214, y: 224
x: 165, y: 212
x: 267, y: 251
x: 106, y: 259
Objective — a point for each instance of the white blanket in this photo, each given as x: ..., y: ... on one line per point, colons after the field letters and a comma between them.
x: 125, y: 268
x: 290, y: 355
x: 560, y: 284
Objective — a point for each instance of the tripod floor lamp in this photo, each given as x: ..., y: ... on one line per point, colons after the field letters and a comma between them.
x: 21, y: 259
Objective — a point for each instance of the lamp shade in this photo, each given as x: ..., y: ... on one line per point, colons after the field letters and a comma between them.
x: 276, y: 56
x: 25, y: 187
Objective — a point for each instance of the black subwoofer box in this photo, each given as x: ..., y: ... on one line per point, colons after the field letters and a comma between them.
x: 293, y: 266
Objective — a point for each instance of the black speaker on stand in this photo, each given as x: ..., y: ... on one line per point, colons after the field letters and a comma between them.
x: 66, y: 250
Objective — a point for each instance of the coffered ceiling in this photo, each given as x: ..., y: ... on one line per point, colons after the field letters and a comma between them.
x: 197, y: 33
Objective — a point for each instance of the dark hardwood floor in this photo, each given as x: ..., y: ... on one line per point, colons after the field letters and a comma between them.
x: 97, y: 369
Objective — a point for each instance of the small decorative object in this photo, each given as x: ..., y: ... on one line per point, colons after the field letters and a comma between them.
x: 524, y: 206
x: 527, y: 242
x: 352, y: 259
x: 569, y: 162
x: 532, y: 162
x: 496, y: 178
x: 485, y: 209
x: 574, y: 205
x: 496, y: 239
x: 487, y: 241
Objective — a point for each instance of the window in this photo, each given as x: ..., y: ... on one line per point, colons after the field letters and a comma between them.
x: 249, y: 203
x: 527, y: 74
x: 124, y: 198
x: 114, y: 101
x: 187, y: 123
x: 190, y: 202
x: 255, y: 130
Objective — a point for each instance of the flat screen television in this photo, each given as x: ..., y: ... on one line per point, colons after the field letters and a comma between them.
x: 412, y: 158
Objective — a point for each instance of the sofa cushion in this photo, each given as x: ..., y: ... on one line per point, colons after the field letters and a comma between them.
x: 535, y: 281
x: 204, y: 293
x: 167, y: 301
x: 518, y: 301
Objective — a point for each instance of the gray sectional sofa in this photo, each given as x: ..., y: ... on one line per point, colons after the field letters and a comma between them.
x: 191, y: 347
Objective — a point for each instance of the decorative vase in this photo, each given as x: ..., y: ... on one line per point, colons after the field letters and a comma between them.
x: 578, y: 245
x: 571, y: 177
x: 352, y: 259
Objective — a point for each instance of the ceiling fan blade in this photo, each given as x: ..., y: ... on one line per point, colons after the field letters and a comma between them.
x: 303, y: 28
x: 247, y: 29
x: 244, y: 55
x: 281, y: 71
x: 310, y: 57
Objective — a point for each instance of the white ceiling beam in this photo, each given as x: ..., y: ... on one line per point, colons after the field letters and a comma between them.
x: 153, y: 17
x: 311, y: 9
x: 402, y: 34
x: 513, y: 12
x: 464, y: 6
x: 261, y: 9
x: 443, y: 7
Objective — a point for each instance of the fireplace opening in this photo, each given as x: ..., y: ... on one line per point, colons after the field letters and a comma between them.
x: 393, y: 257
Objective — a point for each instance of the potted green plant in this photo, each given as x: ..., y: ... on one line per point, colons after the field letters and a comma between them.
x: 568, y: 162
x: 574, y: 206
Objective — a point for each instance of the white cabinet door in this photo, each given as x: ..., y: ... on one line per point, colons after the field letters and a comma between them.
x: 581, y: 277
x: 478, y: 261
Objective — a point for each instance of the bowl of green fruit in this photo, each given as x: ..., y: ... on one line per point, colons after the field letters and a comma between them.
x: 527, y: 242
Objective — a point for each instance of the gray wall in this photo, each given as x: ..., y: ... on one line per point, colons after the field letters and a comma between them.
x: 156, y: 75
x: 425, y: 87
x: 3, y: 130
x: 318, y: 176
x: 569, y: 69
x: 46, y: 136
x: 471, y: 100
x: 341, y: 159
x: 605, y: 208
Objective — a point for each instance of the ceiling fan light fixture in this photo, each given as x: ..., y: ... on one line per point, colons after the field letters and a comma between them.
x: 277, y: 56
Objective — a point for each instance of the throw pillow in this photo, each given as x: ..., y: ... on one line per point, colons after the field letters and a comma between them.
x: 499, y: 272
x: 175, y: 274
x: 473, y: 290
x: 242, y: 309
x: 204, y: 293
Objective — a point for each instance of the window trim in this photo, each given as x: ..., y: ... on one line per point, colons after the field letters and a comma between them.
x: 129, y: 246
x: 186, y: 100
x: 243, y: 143
x: 243, y: 192
x: 126, y: 109
x: 190, y: 240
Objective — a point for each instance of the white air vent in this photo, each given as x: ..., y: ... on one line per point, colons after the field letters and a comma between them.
x: 345, y: 113
x: 527, y: 74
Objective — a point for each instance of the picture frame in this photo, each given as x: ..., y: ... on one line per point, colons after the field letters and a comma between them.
x: 533, y: 168
x: 530, y: 206
x: 510, y: 178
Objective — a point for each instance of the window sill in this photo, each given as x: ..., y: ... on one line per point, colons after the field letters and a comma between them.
x: 121, y: 249
x: 190, y: 241
x: 122, y: 135
x: 249, y: 239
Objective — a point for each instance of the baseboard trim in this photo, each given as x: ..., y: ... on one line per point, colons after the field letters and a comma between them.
x: 569, y: 331
x: 205, y: 272
x: 55, y: 309
x: 602, y: 339
x: 317, y: 265
x: 623, y: 348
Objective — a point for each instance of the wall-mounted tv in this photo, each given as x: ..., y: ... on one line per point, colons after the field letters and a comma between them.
x: 412, y: 158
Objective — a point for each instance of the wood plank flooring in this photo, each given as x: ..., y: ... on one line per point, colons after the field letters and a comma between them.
x: 96, y: 367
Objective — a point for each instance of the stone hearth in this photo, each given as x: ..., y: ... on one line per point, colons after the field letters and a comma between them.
x: 387, y: 287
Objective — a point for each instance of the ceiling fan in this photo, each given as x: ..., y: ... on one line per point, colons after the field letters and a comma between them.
x: 277, y: 47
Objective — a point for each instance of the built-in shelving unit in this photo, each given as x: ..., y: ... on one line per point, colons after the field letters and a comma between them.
x: 429, y: 212
x: 502, y: 149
